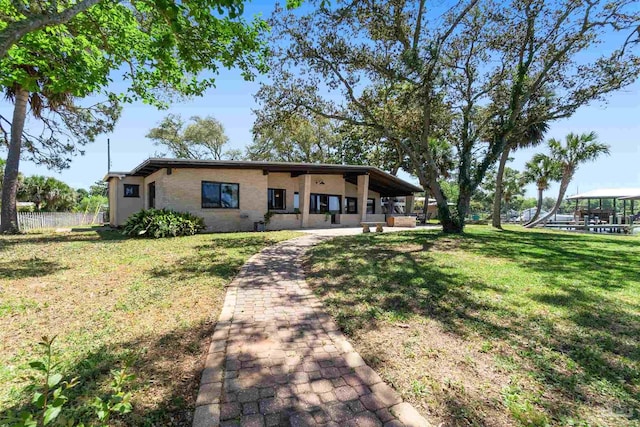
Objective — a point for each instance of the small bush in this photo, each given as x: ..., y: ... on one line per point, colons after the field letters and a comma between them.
x: 156, y: 223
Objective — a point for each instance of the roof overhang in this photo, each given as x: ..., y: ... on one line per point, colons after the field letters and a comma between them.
x: 607, y: 193
x: 379, y: 181
x: 110, y: 175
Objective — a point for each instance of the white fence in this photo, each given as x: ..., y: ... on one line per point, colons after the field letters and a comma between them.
x: 39, y: 220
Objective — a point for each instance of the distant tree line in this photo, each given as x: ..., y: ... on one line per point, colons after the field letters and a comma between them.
x: 48, y: 194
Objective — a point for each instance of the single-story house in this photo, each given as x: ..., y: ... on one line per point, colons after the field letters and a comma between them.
x: 233, y: 195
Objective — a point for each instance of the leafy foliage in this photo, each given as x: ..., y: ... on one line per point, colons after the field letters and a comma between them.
x: 204, y: 138
x: 99, y: 188
x: 512, y: 190
x: 91, y: 204
x: 50, y: 395
x: 159, y: 49
x: 47, y: 193
x: 119, y: 401
x: 157, y: 223
x: 293, y: 138
x: 49, y: 392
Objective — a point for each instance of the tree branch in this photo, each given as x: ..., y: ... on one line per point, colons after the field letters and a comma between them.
x: 15, y: 31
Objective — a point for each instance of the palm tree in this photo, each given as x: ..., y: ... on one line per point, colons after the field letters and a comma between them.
x: 576, y: 150
x: 47, y: 193
x: 530, y: 136
x: 541, y: 169
x: 511, y: 186
x: 38, y: 103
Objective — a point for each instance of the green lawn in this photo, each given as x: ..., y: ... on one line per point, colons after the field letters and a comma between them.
x: 111, y: 300
x: 494, y: 328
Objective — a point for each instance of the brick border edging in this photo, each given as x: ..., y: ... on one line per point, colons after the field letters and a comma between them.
x: 207, y: 411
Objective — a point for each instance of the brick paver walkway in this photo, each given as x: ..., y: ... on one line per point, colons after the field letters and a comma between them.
x: 278, y: 359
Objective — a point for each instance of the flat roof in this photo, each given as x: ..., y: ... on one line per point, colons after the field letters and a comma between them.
x: 379, y: 181
x: 606, y: 193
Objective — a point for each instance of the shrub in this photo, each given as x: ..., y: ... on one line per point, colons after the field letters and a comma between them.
x: 156, y: 223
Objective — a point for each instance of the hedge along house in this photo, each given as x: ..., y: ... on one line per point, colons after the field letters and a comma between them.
x: 233, y: 195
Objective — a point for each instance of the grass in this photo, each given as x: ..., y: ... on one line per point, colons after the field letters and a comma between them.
x: 491, y: 328
x: 113, y: 300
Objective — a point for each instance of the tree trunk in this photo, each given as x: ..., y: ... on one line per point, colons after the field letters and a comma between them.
x: 449, y: 223
x: 564, y: 185
x: 497, y: 200
x: 538, y: 208
x: 464, y: 199
x: 9, y: 215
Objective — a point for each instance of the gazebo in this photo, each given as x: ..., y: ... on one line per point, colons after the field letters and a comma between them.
x: 610, y: 212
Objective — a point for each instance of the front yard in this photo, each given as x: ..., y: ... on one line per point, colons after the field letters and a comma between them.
x: 493, y: 328
x: 112, y: 301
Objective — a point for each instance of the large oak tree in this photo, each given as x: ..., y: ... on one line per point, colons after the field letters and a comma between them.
x: 202, y: 138
x: 478, y: 75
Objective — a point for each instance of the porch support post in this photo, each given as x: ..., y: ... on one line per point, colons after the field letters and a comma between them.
x: 363, y: 195
x: 305, y: 198
x: 409, y: 201
x: 114, y: 184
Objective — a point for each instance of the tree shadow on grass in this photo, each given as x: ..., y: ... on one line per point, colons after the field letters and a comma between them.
x: 167, y: 369
x: 603, y: 261
x: 392, y: 283
x: 90, y: 235
x: 222, y: 257
x: 34, y: 267
x: 398, y: 276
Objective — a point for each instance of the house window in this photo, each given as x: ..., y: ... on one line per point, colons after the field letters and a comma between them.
x: 351, y: 205
x: 131, y: 190
x: 151, y: 190
x: 371, y: 206
x: 296, y: 201
x: 322, y: 203
x: 277, y: 197
x: 220, y: 195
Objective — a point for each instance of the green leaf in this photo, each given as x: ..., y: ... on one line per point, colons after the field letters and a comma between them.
x: 38, y: 365
x: 27, y: 420
x: 59, y: 401
x: 38, y: 399
x: 102, y: 414
x: 51, y: 413
x: 54, y: 380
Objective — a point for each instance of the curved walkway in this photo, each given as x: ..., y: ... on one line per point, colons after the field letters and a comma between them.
x: 278, y: 359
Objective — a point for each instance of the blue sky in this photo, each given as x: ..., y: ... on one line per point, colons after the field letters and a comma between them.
x: 617, y: 123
